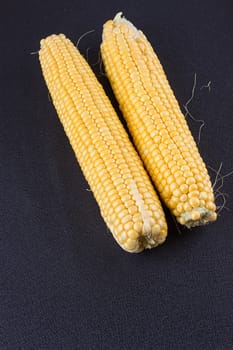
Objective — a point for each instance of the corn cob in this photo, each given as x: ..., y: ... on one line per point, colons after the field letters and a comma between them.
x: 156, y: 123
x: 114, y: 171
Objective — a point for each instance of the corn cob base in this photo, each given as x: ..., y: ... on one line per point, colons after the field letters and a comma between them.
x: 156, y: 123
x: 198, y: 216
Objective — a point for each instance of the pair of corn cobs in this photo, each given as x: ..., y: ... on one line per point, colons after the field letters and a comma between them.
x: 127, y: 199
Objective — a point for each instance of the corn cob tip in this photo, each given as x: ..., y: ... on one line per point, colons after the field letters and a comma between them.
x: 118, y: 16
x: 49, y: 37
x: 120, y: 19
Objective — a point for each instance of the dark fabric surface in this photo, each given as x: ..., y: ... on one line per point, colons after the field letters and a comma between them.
x: 65, y: 283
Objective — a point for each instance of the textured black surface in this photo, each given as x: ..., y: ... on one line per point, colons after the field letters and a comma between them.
x: 65, y: 283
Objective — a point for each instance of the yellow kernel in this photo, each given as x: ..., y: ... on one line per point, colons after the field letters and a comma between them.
x: 138, y: 226
x: 183, y: 198
x: 180, y: 180
x: 129, y: 203
x: 211, y: 197
x: 195, y: 215
x: 132, y: 234
x: 122, y: 237
x: 173, y: 203
x: 173, y: 186
x: 166, y: 191
x: 201, y: 186
x: 190, y: 181
x: 156, y: 229
x: 167, y: 173
x: 213, y: 217
x: 190, y: 161
x: 162, y: 146
x: 184, y: 188
x: 137, y: 217
x: 188, y: 174
x: 170, y: 179
x: 193, y: 194
x: 211, y: 206
x: 149, y: 212
x: 177, y: 193
x: 181, y: 220
x: 181, y: 163
x: 159, y: 177
x: 160, y: 222
x: 157, y: 139
x: 125, y: 197
x: 130, y: 244
x: 178, y: 174
x: 126, y: 219
x: 195, y: 170
x: 163, y: 182
x: 161, y: 237
x: 202, y: 203
x: 163, y: 168
x: 180, y: 208
x: 128, y: 225
x: 198, y: 177
x: 171, y: 146
x: 118, y: 206
x: 152, y: 221
x: 187, y: 207
x: 122, y: 213
x: 172, y: 164
x: 132, y: 209
x: 185, y: 168
x: 174, y: 169
x: 193, y: 187
x: 153, y: 207
x: 119, y: 228
x: 147, y: 195
x: 177, y: 157
x: 203, y: 195
x: 194, y: 202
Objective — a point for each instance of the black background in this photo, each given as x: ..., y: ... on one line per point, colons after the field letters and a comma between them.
x: 65, y: 283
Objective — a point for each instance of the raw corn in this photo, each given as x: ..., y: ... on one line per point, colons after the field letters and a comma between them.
x: 156, y: 123
x: 114, y: 171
